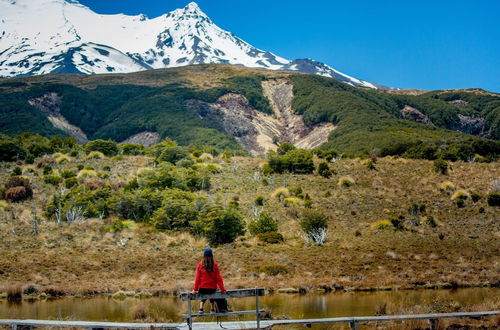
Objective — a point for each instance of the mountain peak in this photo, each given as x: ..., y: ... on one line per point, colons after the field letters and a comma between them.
x: 193, y: 7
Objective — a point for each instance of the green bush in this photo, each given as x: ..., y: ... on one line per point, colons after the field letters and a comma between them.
x: 54, y: 180
x: 259, y: 201
x: 107, y: 147
x: 223, y: 225
x: 47, y: 169
x: 324, y: 170
x: 16, y: 171
x: 131, y: 149
x: 271, y: 238
x: 285, y: 147
x: 264, y: 224
x: 70, y: 182
x: 173, y: 155
x: 441, y: 166
x: 475, y: 196
x: 296, y: 161
x: 315, y: 225
x: 138, y: 205
x: 10, y: 151
x: 66, y: 174
x: 494, y: 198
x: 178, y: 210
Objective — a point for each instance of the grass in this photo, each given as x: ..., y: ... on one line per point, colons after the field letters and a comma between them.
x: 86, y: 258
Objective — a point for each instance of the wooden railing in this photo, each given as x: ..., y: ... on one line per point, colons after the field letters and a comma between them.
x: 242, y: 293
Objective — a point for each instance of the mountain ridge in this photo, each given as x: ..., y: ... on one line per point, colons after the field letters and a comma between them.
x: 74, y: 39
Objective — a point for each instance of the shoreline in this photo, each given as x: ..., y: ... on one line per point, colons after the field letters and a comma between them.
x: 51, y: 294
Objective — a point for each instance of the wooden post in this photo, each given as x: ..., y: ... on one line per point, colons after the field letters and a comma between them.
x: 257, y: 308
x: 14, y: 326
x: 433, y: 323
x: 353, y: 325
x: 190, y: 318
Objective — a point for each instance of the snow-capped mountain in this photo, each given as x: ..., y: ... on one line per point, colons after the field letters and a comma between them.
x: 63, y: 36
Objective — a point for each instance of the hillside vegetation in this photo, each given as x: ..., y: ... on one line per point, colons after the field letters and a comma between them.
x: 368, y: 121
x: 104, y: 217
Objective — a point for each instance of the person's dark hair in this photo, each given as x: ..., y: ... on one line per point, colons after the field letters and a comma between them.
x: 208, y: 263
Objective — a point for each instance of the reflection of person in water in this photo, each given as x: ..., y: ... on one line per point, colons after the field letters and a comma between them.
x: 208, y: 278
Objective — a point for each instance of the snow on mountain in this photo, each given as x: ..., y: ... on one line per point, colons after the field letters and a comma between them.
x: 63, y: 36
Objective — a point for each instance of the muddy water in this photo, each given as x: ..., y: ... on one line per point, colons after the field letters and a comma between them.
x: 169, y: 309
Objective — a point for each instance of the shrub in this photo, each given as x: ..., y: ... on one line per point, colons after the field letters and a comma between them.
x: 138, y: 205
x: 86, y: 174
x: 2, y: 192
x: 17, y: 181
x: 315, y: 225
x: 285, y: 147
x: 259, y: 201
x: 447, y: 187
x: 297, y: 191
x: 94, y: 184
x: 30, y: 159
x: 460, y: 194
x: 273, y: 269
x: 441, y: 166
x: 296, y: 161
x: 431, y: 221
x: 106, y: 168
x: 397, y: 223
x: 132, y: 149
x: 370, y: 164
x: 18, y: 194
x: 10, y: 151
x: 47, y: 169
x: 271, y: 238
x: 178, y: 210
x: 54, y: 180
x: 460, y: 203
x: 324, y: 170
x: 106, y: 147
x: 382, y: 225
x: 475, y: 196
x: 70, y: 182
x: 345, y: 181
x: 264, y: 224
x: 494, y: 198
x: 173, y: 155
x: 95, y: 155
x: 68, y: 174
x: 223, y: 225
x: 326, y: 154
x: 16, y: 171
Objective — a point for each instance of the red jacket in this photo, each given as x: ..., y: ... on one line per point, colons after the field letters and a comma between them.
x: 208, y: 280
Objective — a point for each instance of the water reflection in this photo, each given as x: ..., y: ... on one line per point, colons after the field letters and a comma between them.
x: 169, y: 309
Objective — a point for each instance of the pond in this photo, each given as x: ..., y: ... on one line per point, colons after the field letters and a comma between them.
x: 311, y: 305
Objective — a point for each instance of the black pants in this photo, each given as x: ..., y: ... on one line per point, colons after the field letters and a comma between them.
x: 206, y: 291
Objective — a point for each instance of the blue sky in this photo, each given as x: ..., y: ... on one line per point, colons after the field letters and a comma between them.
x: 438, y: 44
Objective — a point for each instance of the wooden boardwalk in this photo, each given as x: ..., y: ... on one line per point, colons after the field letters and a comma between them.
x: 353, y: 322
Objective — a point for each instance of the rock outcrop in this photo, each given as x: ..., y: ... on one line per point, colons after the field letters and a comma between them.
x: 50, y: 105
x: 411, y: 113
x: 147, y: 139
x: 258, y: 132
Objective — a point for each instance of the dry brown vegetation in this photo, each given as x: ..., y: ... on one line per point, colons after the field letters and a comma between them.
x: 86, y: 258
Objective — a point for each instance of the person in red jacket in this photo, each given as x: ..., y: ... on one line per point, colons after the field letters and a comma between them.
x: 208, y: 277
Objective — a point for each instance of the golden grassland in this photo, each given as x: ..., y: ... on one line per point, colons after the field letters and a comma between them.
x: 85, y: 258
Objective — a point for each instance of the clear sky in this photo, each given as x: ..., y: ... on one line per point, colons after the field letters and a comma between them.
x: 424, y: 44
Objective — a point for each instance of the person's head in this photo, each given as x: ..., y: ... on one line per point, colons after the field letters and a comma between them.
x: 208, y: 259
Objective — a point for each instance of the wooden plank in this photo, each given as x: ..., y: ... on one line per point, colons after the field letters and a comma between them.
x: 185, y: 316
x: 245, y: 324
x: 241, y: 293
x: 88, y: 324
x: 358, y: 319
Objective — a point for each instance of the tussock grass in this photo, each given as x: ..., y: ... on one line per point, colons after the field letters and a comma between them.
x: 460, y: 194
x: 85, y: 258
x: 345, y: 181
